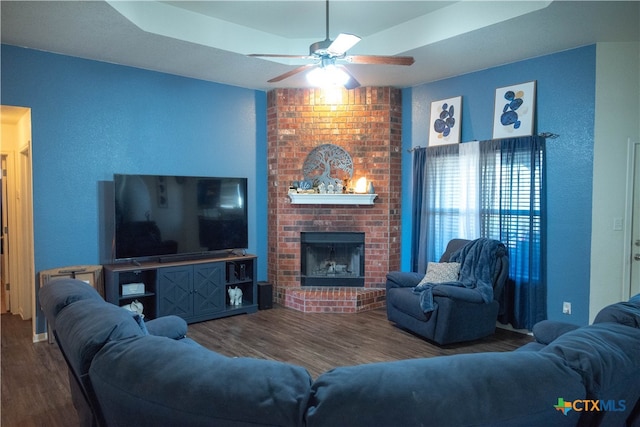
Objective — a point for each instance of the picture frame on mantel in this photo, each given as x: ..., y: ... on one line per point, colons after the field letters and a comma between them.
x: 514, y: 110
x: 445, y: 123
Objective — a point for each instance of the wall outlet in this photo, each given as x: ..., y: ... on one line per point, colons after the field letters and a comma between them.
x: 566, y: 308
x: 617, y: 224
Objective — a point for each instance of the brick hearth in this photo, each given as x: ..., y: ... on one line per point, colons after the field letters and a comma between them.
x: 333, y: 300
x: 367, y: 124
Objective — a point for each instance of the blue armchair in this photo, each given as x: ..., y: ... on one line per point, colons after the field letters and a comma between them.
x: 460, y: 313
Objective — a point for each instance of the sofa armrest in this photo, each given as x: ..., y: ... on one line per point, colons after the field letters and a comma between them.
x: 173, y: 327
x: 403, y: 279
x: 458, y: 293
x: 547, y: 331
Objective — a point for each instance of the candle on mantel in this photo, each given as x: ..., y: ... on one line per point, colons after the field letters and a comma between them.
x: 361, y: 185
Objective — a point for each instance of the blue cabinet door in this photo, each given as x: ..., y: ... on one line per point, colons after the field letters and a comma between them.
x: 175, y: 291
x: 209, y: 288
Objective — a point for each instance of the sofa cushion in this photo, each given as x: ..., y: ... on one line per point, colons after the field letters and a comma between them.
x: 408, y: 302
x: 59, y: 293
x: 403, y: 279
x: 625, y: 313
x: 546, y: 331
x: 85, y: 326
x: 173, y: 327
x: 531, y: 346
x: 460, y: 390
x: 157, y: 381
x: 453, y: 246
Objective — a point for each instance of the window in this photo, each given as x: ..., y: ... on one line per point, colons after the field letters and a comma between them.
x: 488, y: 189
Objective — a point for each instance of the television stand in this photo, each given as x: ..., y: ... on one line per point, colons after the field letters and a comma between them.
x: 194, y: 289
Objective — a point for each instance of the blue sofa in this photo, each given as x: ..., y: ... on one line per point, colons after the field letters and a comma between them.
x: 129, y: 372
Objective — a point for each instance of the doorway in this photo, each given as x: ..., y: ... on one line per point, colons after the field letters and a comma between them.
x: 17, y: 264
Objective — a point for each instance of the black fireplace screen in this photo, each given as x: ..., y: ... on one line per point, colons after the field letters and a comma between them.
x: 332, y: 259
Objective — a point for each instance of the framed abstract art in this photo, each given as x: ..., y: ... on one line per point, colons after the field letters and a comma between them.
x: 514, y: 110
x: 445, y: 123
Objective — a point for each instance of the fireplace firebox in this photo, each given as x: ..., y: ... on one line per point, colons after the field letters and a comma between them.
x: 332, y: 259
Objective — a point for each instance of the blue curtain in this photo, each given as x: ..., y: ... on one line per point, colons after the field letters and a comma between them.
x: 418, y: 211
x: 436, y: 179
x: 521, y: 227
x: 511, y: 199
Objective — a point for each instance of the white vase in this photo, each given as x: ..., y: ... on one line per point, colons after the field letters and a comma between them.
x: 370, y: 188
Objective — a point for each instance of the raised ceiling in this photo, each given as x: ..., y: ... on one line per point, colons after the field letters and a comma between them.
x: 209, y: 40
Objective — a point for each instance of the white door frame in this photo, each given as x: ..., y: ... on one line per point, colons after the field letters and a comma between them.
x: 633, y: 149
x: 12, y: 243
x: 5, y: 266
x: 26, y: 232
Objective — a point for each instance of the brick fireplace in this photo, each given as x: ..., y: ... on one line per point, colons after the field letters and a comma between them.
x: 367, y: 124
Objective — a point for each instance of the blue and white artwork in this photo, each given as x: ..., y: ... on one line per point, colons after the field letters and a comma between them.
x: 514, y: 110
x: 444, y: 126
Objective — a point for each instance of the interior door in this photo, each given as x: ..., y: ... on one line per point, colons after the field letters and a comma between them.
x: 635, y: 227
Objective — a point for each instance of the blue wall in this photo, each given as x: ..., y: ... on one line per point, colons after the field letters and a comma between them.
x: 565, y: 106
x: 92, y: 119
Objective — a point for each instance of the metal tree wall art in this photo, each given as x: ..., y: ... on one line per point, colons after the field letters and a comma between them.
x: 327, y: 164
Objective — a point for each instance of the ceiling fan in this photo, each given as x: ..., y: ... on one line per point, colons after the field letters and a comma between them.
x: 328, y: 54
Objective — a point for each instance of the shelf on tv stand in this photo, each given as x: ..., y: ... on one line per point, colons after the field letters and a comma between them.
x: 172, y: 282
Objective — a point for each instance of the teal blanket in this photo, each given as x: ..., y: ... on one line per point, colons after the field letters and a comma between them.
x: 478, y: 260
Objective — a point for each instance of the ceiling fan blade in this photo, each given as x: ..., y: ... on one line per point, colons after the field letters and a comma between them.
x: 381, y: 60
x: 342, y: 44
x: 352, y: 83
x: 291, y: 73
x: 276, y: 55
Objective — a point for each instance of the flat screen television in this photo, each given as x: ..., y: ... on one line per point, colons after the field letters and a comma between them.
x: 170, y: 217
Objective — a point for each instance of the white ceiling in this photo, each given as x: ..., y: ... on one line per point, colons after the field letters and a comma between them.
x: 209, y: 40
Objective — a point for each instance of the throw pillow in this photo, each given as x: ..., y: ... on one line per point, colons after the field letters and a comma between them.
x: 441, y: 272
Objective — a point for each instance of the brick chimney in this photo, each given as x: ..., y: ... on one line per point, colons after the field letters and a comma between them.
x: 367, y: 124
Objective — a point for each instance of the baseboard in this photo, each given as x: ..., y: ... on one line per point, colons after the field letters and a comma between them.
x: 512, y: 329
x: 40, y: 337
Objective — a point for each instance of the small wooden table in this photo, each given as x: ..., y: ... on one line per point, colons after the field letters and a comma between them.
x: 91, y: 274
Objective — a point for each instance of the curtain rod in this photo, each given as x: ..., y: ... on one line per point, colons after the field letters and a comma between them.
x: 548, y: 135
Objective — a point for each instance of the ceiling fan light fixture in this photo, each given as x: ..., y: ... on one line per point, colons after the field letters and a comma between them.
x: 327, y: 76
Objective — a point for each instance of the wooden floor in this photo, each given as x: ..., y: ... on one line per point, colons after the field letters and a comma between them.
x: 35, y: 386
x: 35, y: 390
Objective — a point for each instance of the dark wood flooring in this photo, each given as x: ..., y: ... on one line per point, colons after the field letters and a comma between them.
x: 35, y: 389
x: 35, y: 385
